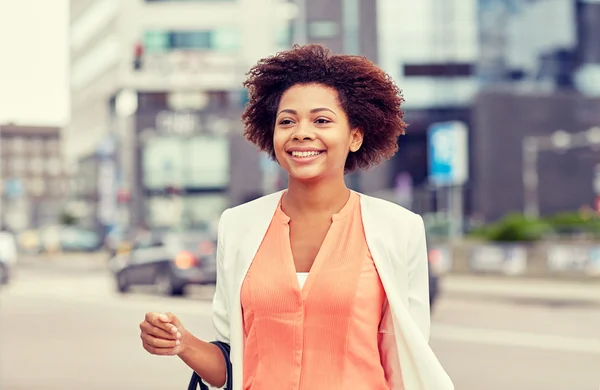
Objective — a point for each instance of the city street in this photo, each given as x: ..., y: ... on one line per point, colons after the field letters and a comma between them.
x: 71, y: 331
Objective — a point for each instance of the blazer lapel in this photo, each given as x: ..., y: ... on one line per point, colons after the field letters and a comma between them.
x: 380, y: 238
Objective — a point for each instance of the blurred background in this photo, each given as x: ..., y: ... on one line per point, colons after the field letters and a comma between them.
x: 121, y: 144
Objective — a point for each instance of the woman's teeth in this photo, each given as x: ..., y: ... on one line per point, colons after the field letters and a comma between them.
x: 305, y: 154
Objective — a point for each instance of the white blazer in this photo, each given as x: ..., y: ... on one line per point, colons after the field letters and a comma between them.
x: 396, y: 239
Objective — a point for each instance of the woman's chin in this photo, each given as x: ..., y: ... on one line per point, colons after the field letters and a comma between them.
x: 306, y: 174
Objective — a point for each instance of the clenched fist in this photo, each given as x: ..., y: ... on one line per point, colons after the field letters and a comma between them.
x: 162, y: 334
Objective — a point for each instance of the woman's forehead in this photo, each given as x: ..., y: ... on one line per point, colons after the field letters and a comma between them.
x: 309, y: 95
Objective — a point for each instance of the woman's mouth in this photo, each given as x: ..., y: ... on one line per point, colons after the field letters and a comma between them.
x: 312, y: 153
x: 305, y: 156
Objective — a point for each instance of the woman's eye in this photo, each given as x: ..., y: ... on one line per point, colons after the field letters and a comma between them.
x: 286, y: 122
x: 322, y: 121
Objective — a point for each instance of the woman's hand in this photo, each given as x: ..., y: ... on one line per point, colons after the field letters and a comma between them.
x: 162, y: 334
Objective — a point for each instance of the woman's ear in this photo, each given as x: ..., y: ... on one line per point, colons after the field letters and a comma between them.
x: 356, y: 139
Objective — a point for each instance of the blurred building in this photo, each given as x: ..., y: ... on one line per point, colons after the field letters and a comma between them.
x: 159, y: 82
x: 35, y: 182
x: 430, y: 48
x: 96, y: 197
x: 566, y: 176
x: 344, y: 26
x: 535, y: 78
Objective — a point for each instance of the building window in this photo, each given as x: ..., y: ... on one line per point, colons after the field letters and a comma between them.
x: 37, y: 187
x: 322, y: 29
x: 18, y: 145
x: 52, y: 146
x: 36, y: 145
x: 65, y: 185
x: 18, y: 166
x: 53, y: 166
x: 284, y: 36
x: 222, y: 39
x: 36, y: 166
x: 57, y: 189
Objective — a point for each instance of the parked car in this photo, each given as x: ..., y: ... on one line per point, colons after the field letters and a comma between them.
x: 434, y: 282
x: 168, y: 261
x: 76, y: 239
x: 8, y: 256
x: 62, y: 238
x: 437, y: 266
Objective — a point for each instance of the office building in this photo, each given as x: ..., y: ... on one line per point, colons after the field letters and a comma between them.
x: 536, y: 79
x: 35, y: 181
x: 157, y: 84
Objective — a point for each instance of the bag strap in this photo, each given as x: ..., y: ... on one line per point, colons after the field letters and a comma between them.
x: 196, y: 381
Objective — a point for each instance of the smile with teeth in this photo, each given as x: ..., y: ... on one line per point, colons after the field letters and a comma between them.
x: 306, y: 154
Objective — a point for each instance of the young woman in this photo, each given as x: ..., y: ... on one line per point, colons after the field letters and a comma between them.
x: 319, y: 287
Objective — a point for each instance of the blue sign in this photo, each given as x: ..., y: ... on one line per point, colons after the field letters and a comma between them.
x: 106, y: 147
x: 14, y: 188
x: 448, y: 153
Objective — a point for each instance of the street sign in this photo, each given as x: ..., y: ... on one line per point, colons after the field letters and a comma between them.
x: 14, y: 188
x: 448, y: 153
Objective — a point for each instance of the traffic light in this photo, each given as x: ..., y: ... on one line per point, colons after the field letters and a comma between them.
x: 138, y: 54
x: 173, y: 190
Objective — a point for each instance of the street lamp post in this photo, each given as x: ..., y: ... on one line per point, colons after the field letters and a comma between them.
x: 558, y: 141
x: 126, y: 105
x: 530, y: 176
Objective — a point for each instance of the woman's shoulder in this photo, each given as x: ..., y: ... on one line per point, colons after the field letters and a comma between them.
x: 250, y: 214
x: 267, y: 202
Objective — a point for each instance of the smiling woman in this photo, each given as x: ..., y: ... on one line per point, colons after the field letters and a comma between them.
x: 318, y: 287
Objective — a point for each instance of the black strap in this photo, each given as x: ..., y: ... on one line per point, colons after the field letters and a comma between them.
x: 196, y: 381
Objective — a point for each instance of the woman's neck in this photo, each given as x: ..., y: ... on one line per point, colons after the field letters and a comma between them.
x: 324, y: 196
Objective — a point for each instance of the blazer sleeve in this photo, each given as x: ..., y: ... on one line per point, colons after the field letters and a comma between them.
x: 220, y: 304
x: 418, y: 277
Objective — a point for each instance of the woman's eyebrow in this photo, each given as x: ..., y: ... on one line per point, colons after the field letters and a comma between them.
x: 313, y: 111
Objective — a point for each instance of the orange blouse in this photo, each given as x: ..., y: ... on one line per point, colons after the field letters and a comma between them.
x: 324, y: 335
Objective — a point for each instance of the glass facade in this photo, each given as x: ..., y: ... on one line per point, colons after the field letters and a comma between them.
x: 517, y: 44
x: 221, y: 39
x: 199, y: 162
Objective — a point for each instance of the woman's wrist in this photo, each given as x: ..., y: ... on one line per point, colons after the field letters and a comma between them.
x: 204, y: 358
x: 188, y: 341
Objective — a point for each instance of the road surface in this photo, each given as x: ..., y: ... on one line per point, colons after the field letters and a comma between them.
x: 71, y: 331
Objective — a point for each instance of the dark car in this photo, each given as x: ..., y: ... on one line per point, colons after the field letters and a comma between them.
x: 8, y: 256
x: 5, y: 272
x: 168, y: 261
x: 436, y: 263
x: 434, y: 281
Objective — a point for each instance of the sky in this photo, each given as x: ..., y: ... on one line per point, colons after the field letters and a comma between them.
x: 34, y: 62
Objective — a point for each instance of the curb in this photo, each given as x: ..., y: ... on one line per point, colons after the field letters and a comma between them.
x: 541, y: 290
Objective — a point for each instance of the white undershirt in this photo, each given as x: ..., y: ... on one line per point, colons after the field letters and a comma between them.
x: 302, y: 278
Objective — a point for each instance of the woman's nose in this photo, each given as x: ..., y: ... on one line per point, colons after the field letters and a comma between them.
x: 303, y: 131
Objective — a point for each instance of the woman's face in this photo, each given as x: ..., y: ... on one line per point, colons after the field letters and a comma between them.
x: 312, y: 137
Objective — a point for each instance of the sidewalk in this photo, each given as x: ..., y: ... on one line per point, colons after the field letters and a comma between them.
x: 76, y: 261
x: 521, y: 288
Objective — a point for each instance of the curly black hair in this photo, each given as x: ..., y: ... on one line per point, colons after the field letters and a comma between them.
x: 367, y: 94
